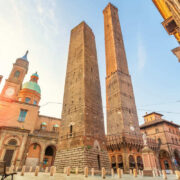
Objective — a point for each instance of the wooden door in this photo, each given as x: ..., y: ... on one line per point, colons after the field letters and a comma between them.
x: 8, y: 157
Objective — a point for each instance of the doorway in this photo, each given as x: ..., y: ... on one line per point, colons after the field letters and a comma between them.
x: 8, y: 157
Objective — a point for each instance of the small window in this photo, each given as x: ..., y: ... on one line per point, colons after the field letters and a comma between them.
x: 22, y: 115
x: 27, y: 100
x: 35, y: 102
x: 71, y: 130
x: 16, y: 74
x: 20, y: 99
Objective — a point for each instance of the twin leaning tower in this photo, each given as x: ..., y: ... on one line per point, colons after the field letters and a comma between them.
x: 82, y: 140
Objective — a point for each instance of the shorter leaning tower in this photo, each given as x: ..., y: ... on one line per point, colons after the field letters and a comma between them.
x: 82, y: 138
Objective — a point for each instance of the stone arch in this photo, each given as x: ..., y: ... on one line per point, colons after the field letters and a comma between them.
x: 165, y: 160
x: 113, y: 162
x: 10, y: 149
x: 140, y: 163
x: 33, y: 155
x: 9, y: 138
x: 132, y: 163
x: 176, y: 157
x: 120, y: 161
x: 49, y: 156
x: 12, y: 142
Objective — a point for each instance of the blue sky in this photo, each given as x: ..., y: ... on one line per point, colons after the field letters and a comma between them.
x: 43, y: 27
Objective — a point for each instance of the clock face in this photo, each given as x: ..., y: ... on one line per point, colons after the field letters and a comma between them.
x: 9, y: 91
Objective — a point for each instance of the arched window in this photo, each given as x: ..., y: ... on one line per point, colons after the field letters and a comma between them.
x: 16, y: 74
x: 12, y: 142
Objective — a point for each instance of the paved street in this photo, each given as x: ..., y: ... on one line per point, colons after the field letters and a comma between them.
x: 43, y: 176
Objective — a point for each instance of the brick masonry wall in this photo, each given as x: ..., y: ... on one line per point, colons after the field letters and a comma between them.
x: 81, y: 157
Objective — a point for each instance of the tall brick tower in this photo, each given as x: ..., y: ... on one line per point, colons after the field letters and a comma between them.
x: 82, y: 137
x: 121, y: 109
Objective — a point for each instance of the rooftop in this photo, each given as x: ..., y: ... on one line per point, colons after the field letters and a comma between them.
x: 158, y: 121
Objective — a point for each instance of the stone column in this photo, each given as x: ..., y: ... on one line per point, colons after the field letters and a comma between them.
x: 1, y: 145
x: 21, y: 149
x: 125, y: 160
x: 41, y: 157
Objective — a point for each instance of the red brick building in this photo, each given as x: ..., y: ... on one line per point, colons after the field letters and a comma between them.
x: 167, y: 135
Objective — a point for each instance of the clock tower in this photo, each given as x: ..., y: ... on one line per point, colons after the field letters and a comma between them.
x: 15, y: 79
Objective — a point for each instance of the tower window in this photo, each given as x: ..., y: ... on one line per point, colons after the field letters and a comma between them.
x: 71, y: 130
x: 27, y: 100
x: 22, y: 115
x: 16, y: 74
x: 99, y: 162
x: 35, y: 102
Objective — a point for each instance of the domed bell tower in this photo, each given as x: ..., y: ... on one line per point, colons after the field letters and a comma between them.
x: 31, y: 91
x: 13, y: 83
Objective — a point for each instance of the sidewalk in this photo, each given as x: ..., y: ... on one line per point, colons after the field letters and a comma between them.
x: 57, y: 176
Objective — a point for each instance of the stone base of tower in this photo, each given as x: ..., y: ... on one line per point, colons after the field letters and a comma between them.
x: 82, y: 157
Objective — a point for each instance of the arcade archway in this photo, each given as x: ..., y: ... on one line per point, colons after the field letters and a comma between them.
x: 165, y: 160
x: 132, y: 164
x: 140, y: 163
x: 176, y: 158
x: 120, y: 161
x: 33, y: 155
x: 113, y: 163
x: 49, y: 156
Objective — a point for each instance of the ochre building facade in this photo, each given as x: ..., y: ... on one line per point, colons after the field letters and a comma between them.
x: 170, y: 11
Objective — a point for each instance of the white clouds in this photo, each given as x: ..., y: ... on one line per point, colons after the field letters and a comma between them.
x: 141, y: 53
x: 33, y: 25
x: 46, y: 16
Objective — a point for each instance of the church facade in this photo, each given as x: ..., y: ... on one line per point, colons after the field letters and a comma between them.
x: 27, y: 138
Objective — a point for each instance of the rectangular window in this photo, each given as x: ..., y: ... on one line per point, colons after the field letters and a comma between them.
x: 22, y: 115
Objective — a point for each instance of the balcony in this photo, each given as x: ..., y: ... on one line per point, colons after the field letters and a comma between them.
x: 45, y: 134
